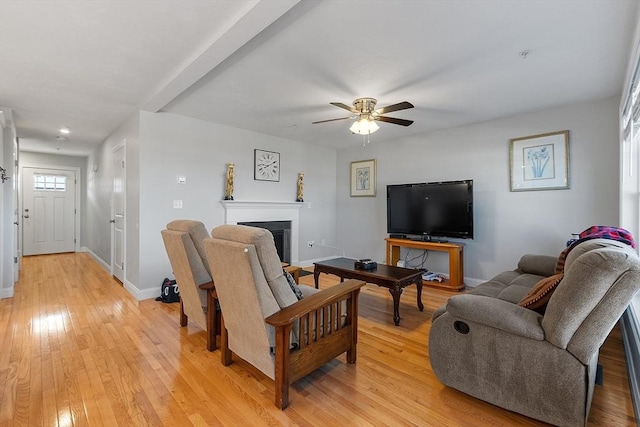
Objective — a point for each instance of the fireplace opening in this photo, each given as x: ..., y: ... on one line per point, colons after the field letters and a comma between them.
x: 281, y: 231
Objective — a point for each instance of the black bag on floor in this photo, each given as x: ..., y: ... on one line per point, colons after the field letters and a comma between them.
x: 169, y: 291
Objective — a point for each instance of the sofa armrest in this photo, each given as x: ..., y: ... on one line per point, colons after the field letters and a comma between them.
x: 540, y: 265
x: 307, y: 305
x: 497, y: 313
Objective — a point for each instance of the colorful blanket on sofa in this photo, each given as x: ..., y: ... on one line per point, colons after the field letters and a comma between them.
x: 596, y: 232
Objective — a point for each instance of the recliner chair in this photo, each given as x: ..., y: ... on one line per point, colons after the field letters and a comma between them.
x: 183, y: 240
x: 264, y: 323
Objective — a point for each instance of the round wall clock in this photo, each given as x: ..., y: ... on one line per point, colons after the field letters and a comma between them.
x: 266, y: 165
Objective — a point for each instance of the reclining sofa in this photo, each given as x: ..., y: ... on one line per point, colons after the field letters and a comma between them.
x: 538, y: 362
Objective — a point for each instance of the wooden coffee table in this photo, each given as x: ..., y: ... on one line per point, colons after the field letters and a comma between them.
x: 393, y: 278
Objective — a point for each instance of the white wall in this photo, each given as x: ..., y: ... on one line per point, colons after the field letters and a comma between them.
x: 8, y: 245
x: 100, y: 190
x: 172, y: 145
x: 507, y: 224
x: 6, y: 287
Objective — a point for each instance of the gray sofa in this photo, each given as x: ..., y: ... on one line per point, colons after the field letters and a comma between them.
x: 540, y: 365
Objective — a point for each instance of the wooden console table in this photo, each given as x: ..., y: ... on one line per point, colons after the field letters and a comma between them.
x: 456, y: 269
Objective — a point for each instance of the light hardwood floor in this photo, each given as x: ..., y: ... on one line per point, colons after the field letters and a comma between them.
x: 77, y: 349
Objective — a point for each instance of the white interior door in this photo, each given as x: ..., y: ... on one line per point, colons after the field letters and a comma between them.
x: 48, y: 210
x: 117, y: 214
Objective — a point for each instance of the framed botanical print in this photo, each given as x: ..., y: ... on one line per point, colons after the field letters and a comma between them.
x: 363, y: 178
x: 540, y: 162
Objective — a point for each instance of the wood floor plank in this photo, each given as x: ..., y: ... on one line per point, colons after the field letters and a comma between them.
x: 77, y: 349
x: 49, y: 409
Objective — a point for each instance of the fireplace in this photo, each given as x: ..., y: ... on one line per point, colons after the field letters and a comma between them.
x: 281, y: 231
x: 240, y: 211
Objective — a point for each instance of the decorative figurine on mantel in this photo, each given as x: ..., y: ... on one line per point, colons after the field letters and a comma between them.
x: 300, y: 187
x: 228, y: 194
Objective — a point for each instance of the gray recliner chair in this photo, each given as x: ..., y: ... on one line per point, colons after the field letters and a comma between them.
x: 542, y: 366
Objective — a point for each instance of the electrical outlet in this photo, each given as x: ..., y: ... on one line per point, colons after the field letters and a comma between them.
x: 310, y: 243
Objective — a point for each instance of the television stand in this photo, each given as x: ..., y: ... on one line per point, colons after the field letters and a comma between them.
x: 456, y: 269
x: 428, y: 239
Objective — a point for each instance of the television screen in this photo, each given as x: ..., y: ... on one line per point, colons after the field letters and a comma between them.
x: 438, y: 209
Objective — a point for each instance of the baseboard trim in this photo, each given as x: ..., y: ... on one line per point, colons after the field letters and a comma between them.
x: 99, y: 260
x: 7, y: 293
x: 631, y: 341
x: 141, y: 294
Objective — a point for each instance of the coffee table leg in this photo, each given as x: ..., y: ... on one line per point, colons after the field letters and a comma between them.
x: 419, y: 286
x: 395, y: 294
x: 316, y: 274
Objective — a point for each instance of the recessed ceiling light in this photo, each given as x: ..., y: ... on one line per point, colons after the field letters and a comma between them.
x: 65, y: 130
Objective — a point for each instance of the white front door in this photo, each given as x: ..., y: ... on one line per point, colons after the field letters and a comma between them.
x: 48, y: 210
x: 117, y: 214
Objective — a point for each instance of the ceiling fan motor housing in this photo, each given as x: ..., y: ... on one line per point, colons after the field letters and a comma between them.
x: 365, y: 105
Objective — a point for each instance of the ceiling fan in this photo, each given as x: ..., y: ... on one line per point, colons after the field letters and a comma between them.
x: 366, y: 115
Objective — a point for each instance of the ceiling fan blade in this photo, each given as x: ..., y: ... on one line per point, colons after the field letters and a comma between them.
x: 345, y: 106
x: 395, y: 107
x: 401, y: 122
x: 331, y: 120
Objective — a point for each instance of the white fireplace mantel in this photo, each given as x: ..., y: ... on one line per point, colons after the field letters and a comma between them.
x: 248, y: 211
x: 259, y: 204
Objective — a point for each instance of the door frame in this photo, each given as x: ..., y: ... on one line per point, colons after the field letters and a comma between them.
x: 123, y: 146
x: 17, y: 211
x: 78, y: 213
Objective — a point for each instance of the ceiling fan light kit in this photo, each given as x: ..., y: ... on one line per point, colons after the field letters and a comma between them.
x: 367, y: 115
x: 364, y: 126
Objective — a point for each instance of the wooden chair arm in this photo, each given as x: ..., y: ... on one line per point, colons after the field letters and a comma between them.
x: 207, y: 286
x: 295, y: 311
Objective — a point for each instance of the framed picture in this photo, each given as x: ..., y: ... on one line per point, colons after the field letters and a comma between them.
x: 363, y: 178
x: 540, y: 162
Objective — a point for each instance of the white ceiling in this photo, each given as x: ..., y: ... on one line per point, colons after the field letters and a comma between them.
x: 273, y: 66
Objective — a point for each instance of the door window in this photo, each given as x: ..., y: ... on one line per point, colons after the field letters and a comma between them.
x: 49, y: 182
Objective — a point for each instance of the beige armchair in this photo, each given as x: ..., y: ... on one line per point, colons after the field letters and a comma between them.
x: 183, y: 242
x: 263, y: 321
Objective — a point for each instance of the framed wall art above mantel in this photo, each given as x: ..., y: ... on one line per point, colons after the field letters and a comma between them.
x: 540, y: 162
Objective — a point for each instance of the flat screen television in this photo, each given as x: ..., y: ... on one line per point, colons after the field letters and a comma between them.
x: 434, y: 209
